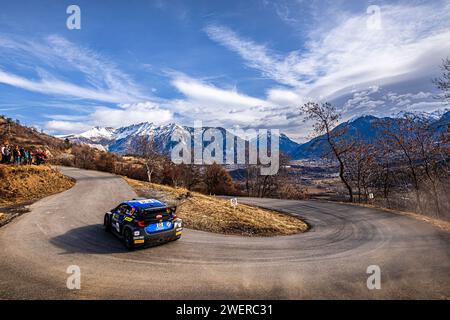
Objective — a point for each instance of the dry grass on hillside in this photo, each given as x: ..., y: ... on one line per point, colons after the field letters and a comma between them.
x: 212, y: 214
x: 25, y: 183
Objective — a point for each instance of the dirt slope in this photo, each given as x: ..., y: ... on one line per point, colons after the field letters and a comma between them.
x: 26, y: 183
x: 201, y: 212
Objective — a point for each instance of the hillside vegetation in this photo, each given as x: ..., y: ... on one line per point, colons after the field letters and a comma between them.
x: 26, y: 183
x: 16, y: 134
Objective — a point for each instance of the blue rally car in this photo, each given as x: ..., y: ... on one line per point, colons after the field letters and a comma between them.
x: 143, y: 221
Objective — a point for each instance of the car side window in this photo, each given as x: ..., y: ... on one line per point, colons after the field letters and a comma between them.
x: 121, y: 209
x: 127, y: 210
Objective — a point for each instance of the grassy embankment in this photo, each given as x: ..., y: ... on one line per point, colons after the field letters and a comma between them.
x: 213, y: 214
x: 22, y: 185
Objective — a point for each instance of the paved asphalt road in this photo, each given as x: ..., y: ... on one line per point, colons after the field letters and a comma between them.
x: 329, y: 261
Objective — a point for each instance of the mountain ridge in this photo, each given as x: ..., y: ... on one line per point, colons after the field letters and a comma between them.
x: 122, y: 140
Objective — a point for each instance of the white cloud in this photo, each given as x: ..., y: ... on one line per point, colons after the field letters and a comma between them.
x: 255, y: 55
x: 284, y: 97
x: 131, y: 113
x: 374, y: 102
x: 66, y: 126
x: 102, y: 79
x: 99, y: 71
x: 344, y: 59
x: 221, y: 107
x: 57, y: 87
x: 427, y: 106
x: 201, y: 92
x: 362, y: 103
x: 124, y: 115
x: 410, y: 45
x: 401, y: 98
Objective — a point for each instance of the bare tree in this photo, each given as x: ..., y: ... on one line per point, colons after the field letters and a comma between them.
x: 191, y: 175
x: 443, y: 83
x: 218, y: 180
x: 172, y: 174
x: 384, y: 176
x: 271, y: 184
x: 325, y: 118
x: 418, y: 149
x: 84, y: 156
x: 428, y: 149
x: 360, y: 164
x: 400, y: 136
x: 145, y: 148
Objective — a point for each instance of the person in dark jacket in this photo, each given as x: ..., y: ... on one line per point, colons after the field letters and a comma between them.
x: 22, y: 155
x: 16, y: 155
x: 40, y: 157
x: 30, y: 157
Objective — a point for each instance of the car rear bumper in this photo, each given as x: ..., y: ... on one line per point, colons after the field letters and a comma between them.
x: 158, y: 237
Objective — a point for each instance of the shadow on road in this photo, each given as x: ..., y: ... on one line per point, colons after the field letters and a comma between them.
x: 92, y: 239
x: 88, y: 239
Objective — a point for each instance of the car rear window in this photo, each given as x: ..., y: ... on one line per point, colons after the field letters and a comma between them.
x: 150, y: 214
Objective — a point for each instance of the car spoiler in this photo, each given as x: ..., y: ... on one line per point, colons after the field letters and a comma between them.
x: 172, y: 208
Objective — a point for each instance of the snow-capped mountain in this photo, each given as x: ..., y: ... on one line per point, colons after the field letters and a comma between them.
x: 97, y: 137
x: 123, y: 140
x: 364, y: 128
x: 98, y: 133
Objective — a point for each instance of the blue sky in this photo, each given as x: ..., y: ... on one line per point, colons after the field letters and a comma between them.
x: 228, y: 63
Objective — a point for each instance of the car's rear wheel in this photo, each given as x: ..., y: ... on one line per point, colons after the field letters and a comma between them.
x: 128, y: 238
x: 107, y: 223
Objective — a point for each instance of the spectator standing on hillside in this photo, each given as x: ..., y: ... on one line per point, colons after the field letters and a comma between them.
x: 16, y: 155
x: 8, y: 154
x: 4, y: 151
x: 40, y: 157
x: 11, y: 154
x: 22, y: 156
x: 33, y: 156
x: 44, y: 155
x: 26, y: 156
x: 30, y: 157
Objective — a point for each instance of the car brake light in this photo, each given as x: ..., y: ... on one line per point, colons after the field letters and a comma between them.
x: 141, y: 223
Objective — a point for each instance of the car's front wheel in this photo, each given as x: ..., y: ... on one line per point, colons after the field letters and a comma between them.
x: 128, y: 238
x: 107, y: 223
